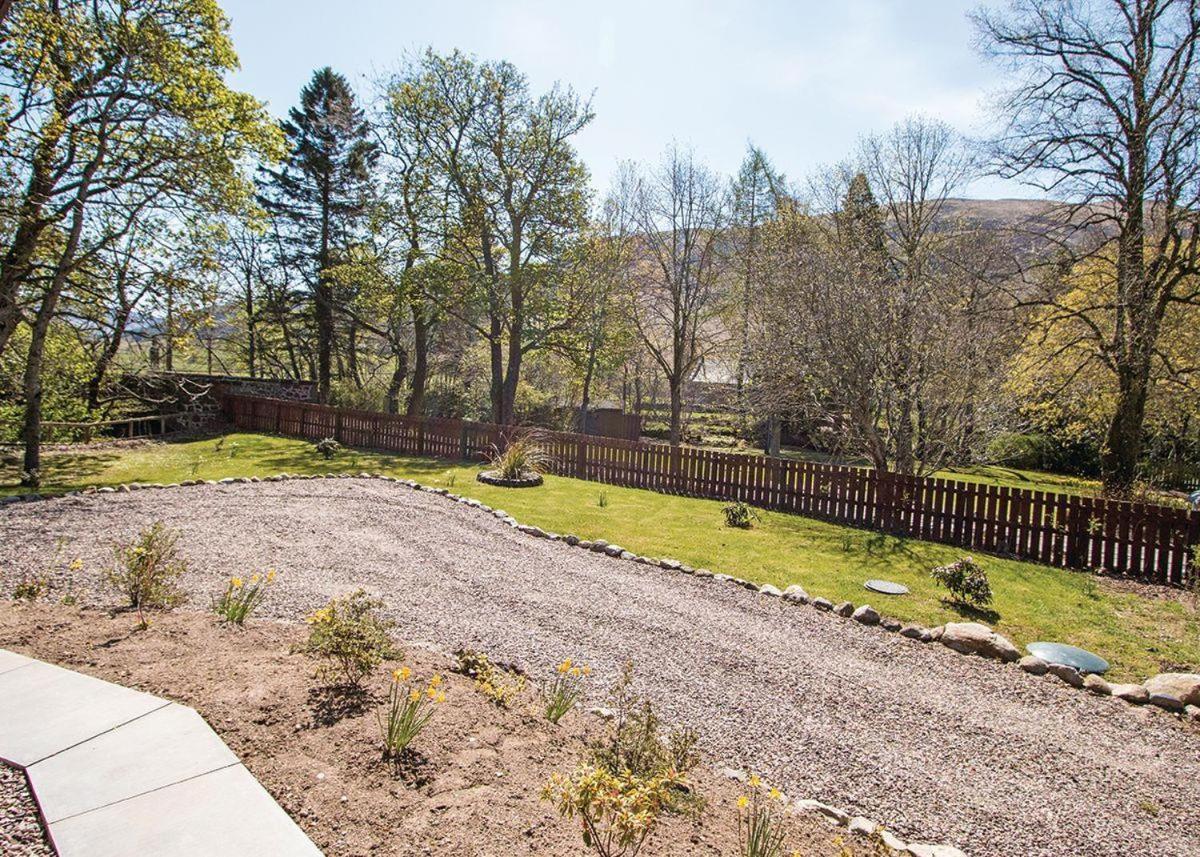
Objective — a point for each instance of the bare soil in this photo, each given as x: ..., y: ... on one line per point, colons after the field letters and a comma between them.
x: 937, y: 746
x: 471, y: 788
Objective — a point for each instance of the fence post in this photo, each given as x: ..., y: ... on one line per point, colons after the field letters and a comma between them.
x: 420, y: 436
x: 337, y: 426
x: 462, y: 440
x: 278, y: 415
x: 581, y: 457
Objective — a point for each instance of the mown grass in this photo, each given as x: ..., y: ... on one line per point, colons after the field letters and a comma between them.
x: 1140, y: 635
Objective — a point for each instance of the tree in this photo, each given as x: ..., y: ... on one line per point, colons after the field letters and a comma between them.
x: 756, y: 191
x: 322, y: 192
x: 515, y: 193
x: 675, y: 299
x: 1104, y: 114
x: 878, y: 325
x: 119, y: 110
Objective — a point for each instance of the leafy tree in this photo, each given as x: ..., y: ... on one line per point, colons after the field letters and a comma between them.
x: 117, y: 109
x: 1104, y: 113
x: 322, y: 192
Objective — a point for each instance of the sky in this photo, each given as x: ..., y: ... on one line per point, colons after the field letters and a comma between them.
x: 803, y: 80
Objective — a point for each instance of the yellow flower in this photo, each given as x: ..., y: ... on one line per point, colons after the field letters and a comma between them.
x: 435, y: 681
x: 755, y: 781
x: 414, y: 695
x: 254, y: 578
x: 271, y: 576
x: 743, y: 802
x: 235, y: 582
x: 775, y: 795
x: 404, y: 673
x: 441, y: 697
x: 587, y: 670
x: 564, y: 666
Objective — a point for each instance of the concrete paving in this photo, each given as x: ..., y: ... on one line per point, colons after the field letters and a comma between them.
x: 119, y: 772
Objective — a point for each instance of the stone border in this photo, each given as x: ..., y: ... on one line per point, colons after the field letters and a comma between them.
x: 492, y: 477
x: 117, y: 771
x: 1177, y: 693
x: 857, y: 824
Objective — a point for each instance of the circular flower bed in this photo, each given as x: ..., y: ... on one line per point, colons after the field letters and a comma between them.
x: 525, y: 480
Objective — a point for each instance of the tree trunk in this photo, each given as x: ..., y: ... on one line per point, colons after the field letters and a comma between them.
x: 397, y: 382
x: 420, y: 378
x: 105, y: 361
x: 676, y: 388
x: 251, y: 329
x: 774, y: 435
x: 1123, y: 441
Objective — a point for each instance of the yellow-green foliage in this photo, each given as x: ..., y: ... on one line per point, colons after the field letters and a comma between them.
x: 497, y: 684
x: 760, y: 820
x: 616, y: 811
x: 564, y: 690
x: 351, y: 636
x: 242, y: 597
x: 409, y: 710
x: 147, y: 570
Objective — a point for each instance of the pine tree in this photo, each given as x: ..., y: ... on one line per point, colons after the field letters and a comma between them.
x: 322, y: 191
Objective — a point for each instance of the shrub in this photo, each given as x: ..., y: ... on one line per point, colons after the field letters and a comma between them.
x: 602, y: 500
x: 409, y: 711
x: 523, y: 457
x: 636, y: 742
x: 328, y: 447
x: 760, y: 826
x: 351, y: 636
x: 565, y: 690
x: 617, y: 811
x: 495, y: 683
x: 740, y: 515
x: 31, y: 588
x: 966, y: 580
x: 147, y: 570
x: 242, y: 598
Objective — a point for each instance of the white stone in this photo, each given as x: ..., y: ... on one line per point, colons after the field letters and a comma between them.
x: 796, y: 593
x: 768, y: 589
x: 976, y: 639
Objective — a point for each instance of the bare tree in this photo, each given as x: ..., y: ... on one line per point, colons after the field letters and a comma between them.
x: 680, y: 210
x: 1104, y: 114
x: 876, y: 327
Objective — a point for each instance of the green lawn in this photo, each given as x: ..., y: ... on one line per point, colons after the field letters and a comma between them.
x: 1139, y: 635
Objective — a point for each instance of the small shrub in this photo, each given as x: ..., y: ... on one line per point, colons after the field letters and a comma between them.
x: 564, y: 690
x: 740, y: 515
x: 498, y: 685
x: 147, y: 570
x: 616, y: 811
x: 602, y: 500
x: 760, y: 824
x: 409, y: 711
x: 522, y: 458
x: 241, y: 598
x: 328, y: 447
x: 636, y: 742
x: 31, y: 588
x: 966, y: 580
x: 350, y: 635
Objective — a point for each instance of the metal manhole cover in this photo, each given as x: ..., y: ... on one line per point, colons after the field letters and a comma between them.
x: 1072, y: 656
x: 887, y: 587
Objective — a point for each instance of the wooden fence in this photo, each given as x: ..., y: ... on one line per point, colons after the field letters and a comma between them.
x: 1145, y: 541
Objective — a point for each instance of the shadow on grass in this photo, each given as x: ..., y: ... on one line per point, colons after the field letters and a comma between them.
x: 972, y: 613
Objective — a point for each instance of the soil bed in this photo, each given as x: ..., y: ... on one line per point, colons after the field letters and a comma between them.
x: 472, y: 787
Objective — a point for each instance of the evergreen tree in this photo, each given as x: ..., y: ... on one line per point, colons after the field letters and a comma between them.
x: 322, y: 191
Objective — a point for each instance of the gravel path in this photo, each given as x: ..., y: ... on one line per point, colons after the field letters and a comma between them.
x: 20, y: 828
x: 937, y: 746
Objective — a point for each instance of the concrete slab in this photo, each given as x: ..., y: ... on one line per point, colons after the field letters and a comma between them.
x: 221, y: 814
x: 163, y: 747
x: 45, y: 709
x: 11, y: 660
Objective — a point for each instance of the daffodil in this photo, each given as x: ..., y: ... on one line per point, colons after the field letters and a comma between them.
x: 743, y: 802
x: 755, y: 781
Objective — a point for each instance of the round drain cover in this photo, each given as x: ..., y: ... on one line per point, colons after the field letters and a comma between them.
x: 886, y: 587
x: 1072, y: 656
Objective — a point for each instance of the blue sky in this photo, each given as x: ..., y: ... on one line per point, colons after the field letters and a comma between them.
x: 801, y: 79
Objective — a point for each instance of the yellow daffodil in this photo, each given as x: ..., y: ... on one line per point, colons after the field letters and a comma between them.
x: 414, y: 695
x: 755, y: 781
x: 743, y: 802
x: 565, y: 666
x: 235, y: 582
x: 775, y: 795
x: 271, y: 576
x: 405, y: 673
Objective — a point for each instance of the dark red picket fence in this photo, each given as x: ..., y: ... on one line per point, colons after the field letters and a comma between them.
x: 1147, y: 541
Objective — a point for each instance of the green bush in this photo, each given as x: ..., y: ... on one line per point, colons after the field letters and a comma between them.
x: 328, y: 447
x: 147, y: 570
x: 739, y: 515
x: 351, y: 636
x: 966, y: 580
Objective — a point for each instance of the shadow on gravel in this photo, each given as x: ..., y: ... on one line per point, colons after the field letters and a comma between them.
x: 332, y: 703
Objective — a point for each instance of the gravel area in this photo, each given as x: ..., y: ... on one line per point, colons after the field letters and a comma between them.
x: 937, y: 746
x: 20, y: 828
